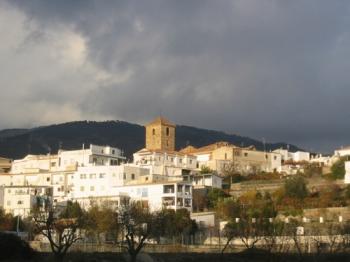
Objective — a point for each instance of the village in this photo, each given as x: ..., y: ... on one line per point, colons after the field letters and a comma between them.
x: 215, y: 186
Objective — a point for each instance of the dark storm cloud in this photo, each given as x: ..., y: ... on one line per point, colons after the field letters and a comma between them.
x: 272, y: 69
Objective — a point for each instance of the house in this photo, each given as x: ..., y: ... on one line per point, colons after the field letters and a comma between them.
x: 20, y: 200
x: 211, y: 180
x: 246, y: 160
x: 343, y: 151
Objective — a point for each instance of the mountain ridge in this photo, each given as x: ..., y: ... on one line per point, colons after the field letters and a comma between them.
x: 17, y: 143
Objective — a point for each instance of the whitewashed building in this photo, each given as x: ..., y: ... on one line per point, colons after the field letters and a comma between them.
x: 165, y: 163
x: 211, y: 180
x: 69, y: 160
x: 343, y: 151
x: 20, y: 200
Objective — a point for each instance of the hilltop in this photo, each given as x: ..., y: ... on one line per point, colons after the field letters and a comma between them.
x: 17, y: 143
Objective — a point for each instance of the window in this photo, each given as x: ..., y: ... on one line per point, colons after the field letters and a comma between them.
x: 168, y: 201
x: 225, y: 155
x: 19, y: 202
x: 82, y: 189
x: 190, y: 161
x: 82, y: 176
x: 113, y: 152
x: 144, y: 192
x: 92, y: 188
x: 266, y: 156
x: 245, y: 154
x: 124, y: 176
x: 53, y: 164
x: 132, y: 176
x: 47, y: 179
x: 275, y: 157
x: 102, y: 175
x: 102, y: 151
x: 153, y: 131
x: 114, y: 162
x: 167, y: 131
x: 180, y: 160
x: 92, y: 176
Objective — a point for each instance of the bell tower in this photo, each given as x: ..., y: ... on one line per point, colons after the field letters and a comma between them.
x: 160, y: 135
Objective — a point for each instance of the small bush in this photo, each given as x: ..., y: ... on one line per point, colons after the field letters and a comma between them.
x: 338, y: 169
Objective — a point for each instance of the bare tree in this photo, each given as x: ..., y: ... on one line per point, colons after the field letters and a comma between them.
x: 230, y: 232
x: 296, y: 231
x: 231, y: 171
x: 59, y: 227
x: 345, y: 236
x: 138, y: 225
x: 327, y: 237
x: 276, y: 242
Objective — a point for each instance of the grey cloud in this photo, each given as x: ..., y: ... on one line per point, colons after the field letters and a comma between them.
x: 273, y: 69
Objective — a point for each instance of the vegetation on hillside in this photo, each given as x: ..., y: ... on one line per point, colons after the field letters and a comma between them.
x: 126, y: 136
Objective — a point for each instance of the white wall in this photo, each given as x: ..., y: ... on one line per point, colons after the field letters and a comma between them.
x: 21, y: 200
x: 164, y: 163
x: 154, y: 194
x: 342, y: 152
x: 347, y: 172
x: 301, y: 156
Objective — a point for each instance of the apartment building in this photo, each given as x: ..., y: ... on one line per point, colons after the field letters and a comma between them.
x: 20, y: 200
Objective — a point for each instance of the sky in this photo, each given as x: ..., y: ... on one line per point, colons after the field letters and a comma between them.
x: 272, y: 69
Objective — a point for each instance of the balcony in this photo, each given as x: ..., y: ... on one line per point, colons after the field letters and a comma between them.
x: 168, y: 189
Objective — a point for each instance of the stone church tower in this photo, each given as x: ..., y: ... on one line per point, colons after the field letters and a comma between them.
x: 160, y: 135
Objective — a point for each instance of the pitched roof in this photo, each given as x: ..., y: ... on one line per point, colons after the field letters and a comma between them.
x: 146, y: 151
x: 161, y: 120
x: 207, y: 148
